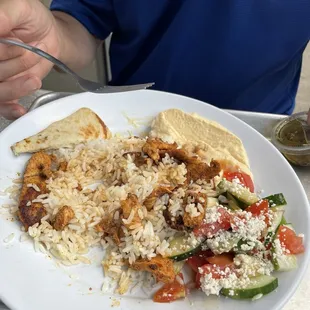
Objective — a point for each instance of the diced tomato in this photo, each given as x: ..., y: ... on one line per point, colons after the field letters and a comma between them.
x: 218, y: 272
x: 222, y: 260
x: 171, y: 291
x: 290, y: 241
x: 260, y: 208
x: 210, y: 229
x: 244, y: 179
x: 199, y: 259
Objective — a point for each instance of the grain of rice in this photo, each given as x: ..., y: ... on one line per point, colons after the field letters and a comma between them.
x: 9, y: 238
x: 115, y: 269
x: 134, y: 226
x: 130, y: 217
x: 200, y: 208
x: 100, y: 168
x: 34, y: 186
x: 6, y: 206
x: 140, y: 213
x: 116, y: 215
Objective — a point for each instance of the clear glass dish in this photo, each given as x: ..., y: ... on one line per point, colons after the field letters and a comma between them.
x: 291, y: 141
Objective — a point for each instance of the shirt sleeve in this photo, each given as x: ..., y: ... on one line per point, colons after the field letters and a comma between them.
x: 98, y: 17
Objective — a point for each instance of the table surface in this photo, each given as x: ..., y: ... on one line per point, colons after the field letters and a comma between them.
x: 300, y: 300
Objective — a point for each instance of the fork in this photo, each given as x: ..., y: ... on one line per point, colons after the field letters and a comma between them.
x: 87, y: 85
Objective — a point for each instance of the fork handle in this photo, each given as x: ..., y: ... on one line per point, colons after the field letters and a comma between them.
x: 41, y: 53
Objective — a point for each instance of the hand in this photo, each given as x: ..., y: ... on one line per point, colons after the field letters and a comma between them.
x: 21, y: 71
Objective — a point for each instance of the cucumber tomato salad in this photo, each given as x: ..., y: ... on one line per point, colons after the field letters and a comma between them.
x: 241, y: 242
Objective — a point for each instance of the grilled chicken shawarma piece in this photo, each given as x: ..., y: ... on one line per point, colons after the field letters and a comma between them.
x: 131, y: 206
x: 199, y: 170
x: 63, y: 166
x: 63, y: 217
x: 38, y: 170
x: 155, y: 147
x: 110, y: 228
x: 194, y: 199
x: 176, y: 223
x: 157, y: 193
x: 161, y: 267
x: 196, y: 168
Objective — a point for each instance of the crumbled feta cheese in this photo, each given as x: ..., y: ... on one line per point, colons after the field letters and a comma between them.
x: 193, y: 241
x: 211, y: 286
x: 192, y: 210
x: 278, y: 250
x: 212, y: 215
x: 223, y: 242
x: 249, y: 227
x: 251, y: 265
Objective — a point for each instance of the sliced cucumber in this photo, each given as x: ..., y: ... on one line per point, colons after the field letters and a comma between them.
x: 283, y: 221
x: 285, y: 262
x: 241, y: 193
x: 276, y: 200
x: 276, y: 220
x: 181, y: 249
x: 233, y: 203
x: 277, y: 208
x: 178, y: 266
x: 260, y: 285
x: 223, y: 246
x: 212, y: 202
x: 241, y: 246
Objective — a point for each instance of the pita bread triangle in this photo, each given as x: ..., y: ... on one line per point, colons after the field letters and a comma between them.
x: 82, y: 126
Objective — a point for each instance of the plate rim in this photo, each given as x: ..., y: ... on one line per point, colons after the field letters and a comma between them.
x: 281, y: 302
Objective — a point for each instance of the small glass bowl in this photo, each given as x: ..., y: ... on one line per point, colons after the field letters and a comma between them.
x: 298, y: 155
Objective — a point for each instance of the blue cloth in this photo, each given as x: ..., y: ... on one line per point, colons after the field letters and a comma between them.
x: 235, y: 54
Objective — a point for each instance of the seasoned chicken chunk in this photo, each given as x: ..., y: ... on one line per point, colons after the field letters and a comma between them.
x: 196, y: 168
x: 161, y: 267
x: 39, y: 165
x: 63, y: 217
x: 110, y: 228
x: 157, y: 193
x: 130, y: 211
x: 63, y: 166
x: 176, y: 223
x: 38, y: 170
x: 199, y: 170
x: 178, y: 154
x: 194, y: 209
x: 155, y: 147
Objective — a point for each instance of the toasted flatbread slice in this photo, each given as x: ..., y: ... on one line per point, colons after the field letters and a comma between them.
x: 82, y: 126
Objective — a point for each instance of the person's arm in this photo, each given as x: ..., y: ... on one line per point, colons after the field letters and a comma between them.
x: 77, y: 46
x: 67, y: 33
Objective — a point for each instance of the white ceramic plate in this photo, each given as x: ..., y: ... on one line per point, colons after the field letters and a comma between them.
x: 30, y: 280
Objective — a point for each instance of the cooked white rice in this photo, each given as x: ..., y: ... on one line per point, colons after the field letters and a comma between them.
x: 106, y: 177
